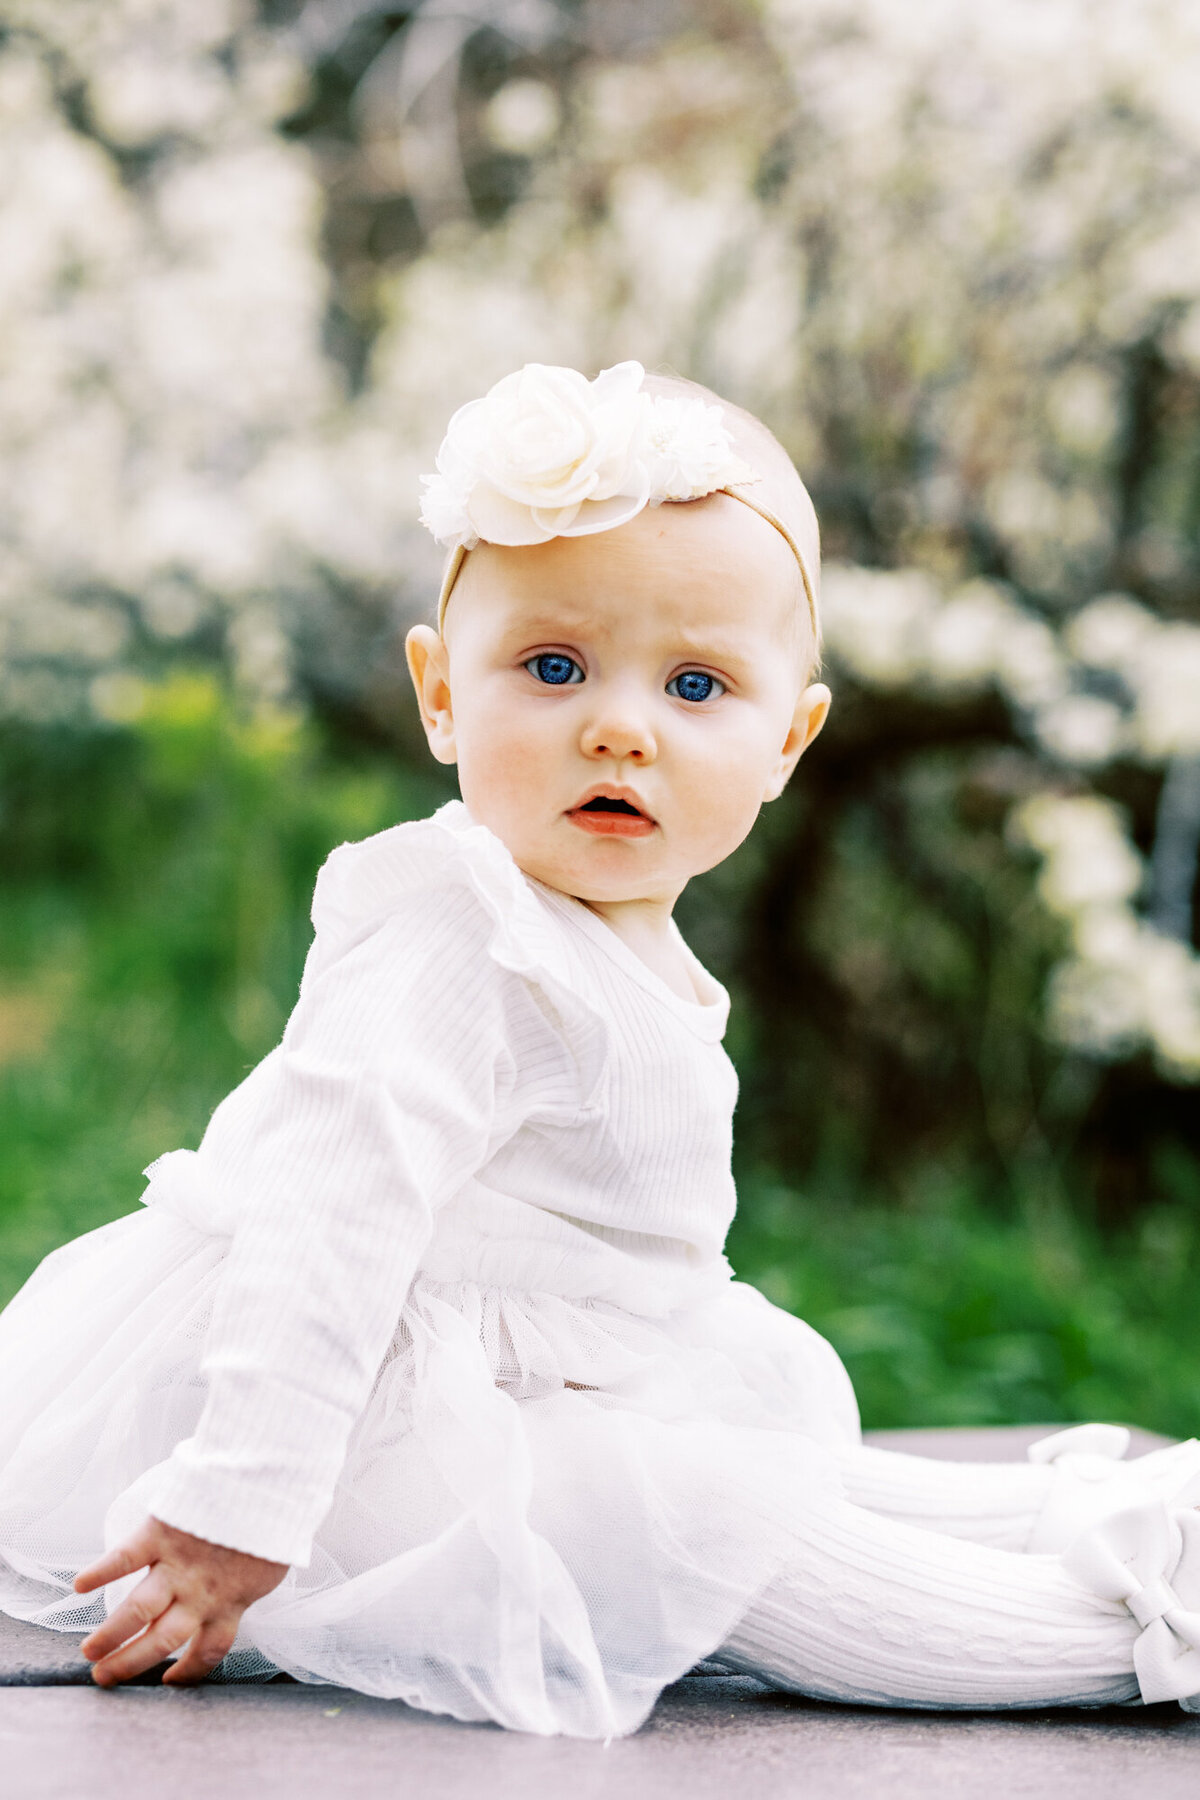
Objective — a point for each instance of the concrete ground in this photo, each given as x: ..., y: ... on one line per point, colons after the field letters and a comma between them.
x: 708, y: 1737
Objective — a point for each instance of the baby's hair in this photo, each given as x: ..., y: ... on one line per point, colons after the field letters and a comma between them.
x: 780, y: 491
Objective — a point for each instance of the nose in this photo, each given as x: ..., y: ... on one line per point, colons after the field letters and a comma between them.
x: 620, y: 728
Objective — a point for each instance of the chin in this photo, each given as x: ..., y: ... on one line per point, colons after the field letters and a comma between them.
x: 613, y: 884
x: 587, y: 878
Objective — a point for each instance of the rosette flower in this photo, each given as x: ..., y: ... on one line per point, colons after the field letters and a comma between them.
x: 545, y: 453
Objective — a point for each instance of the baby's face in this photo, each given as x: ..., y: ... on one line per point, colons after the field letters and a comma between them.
x: 620, y: 705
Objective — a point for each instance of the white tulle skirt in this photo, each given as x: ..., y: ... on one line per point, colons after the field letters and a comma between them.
x: 548, y: 1510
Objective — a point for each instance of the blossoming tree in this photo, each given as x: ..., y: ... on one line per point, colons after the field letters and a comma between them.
x: 252, y: 259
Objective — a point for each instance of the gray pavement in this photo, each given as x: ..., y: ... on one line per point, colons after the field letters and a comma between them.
x: 708, y: 1739
x: 709, y: 1736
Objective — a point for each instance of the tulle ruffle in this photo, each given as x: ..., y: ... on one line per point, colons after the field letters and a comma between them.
x: 549, y: 1508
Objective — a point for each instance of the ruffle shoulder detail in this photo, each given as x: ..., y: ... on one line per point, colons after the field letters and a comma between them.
x: 363, y: 884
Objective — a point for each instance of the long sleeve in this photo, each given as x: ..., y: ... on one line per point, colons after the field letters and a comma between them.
x: 392, y: 1086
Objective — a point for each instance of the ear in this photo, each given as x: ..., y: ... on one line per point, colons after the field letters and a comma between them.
x: 812, y: 710
x: 429, y: 666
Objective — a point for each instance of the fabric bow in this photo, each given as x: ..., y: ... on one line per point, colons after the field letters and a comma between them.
x: 1149, y: 1559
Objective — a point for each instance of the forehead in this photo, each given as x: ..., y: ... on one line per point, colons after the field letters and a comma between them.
x: 711, y: 565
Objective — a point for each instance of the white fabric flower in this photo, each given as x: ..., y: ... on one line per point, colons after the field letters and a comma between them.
x: 444, y: 514
x: 690, y: 450
x: 547, y: 453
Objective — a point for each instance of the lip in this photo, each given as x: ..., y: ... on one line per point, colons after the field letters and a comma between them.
x: 606, y: 824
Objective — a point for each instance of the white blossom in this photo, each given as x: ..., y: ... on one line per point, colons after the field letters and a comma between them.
x: 1124, y: 984
x: 523, y: 116
x: 876, y: 620
x: 175, y: 435
x: 1082, y: 729
x: 1088, y: 859
x: 1167, y: 720
x: 1110, y: 632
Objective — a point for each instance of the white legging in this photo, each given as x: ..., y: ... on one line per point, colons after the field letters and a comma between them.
x: 914, y: 1590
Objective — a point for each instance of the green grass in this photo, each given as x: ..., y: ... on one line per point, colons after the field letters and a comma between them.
x: 946, y: 1314
x: 153, y: 924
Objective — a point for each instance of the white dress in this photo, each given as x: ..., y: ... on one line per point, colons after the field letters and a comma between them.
x: 438, y: 1314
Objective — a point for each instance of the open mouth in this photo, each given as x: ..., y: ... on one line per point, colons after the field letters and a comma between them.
x: 606, y: 815
x: 601, y: 805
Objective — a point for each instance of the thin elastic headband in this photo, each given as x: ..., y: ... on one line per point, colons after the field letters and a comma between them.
x: 459, y: 553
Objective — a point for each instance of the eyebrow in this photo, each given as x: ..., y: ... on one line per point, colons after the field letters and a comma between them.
x: 549, y: 625
x: 712, y: 648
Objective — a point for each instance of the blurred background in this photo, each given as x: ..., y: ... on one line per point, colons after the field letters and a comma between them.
x: 251, y: 258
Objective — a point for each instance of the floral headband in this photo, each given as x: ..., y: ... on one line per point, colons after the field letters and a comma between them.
x: 547, y: 453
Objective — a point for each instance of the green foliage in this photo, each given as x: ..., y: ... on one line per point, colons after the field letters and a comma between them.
x: 947, y: 1314
x: 889, y: 957
x: 153, y: 926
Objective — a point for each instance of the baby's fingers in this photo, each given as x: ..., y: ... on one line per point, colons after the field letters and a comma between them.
x: 148, y: 1601
x: 210, y: 1644
x: 124, y: 1559
x: 154, y: 1646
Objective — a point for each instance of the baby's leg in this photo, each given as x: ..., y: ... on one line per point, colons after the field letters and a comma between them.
x: 1039, y: 1506
x: 883, y: 1613
x: 990, y: 1503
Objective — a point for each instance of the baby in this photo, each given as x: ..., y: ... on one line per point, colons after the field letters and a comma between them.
x: 426, y: 1373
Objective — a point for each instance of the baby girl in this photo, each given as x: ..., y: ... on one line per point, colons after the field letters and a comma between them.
x: 426, y: 1374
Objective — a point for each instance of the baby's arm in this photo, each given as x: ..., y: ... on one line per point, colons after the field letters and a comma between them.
x: 391, y: 1086
x: 194, y: 1593
x: 384, y: 1097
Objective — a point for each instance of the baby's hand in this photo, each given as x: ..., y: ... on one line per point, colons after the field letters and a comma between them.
x: 194, y: 1593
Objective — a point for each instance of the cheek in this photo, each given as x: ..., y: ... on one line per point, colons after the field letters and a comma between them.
x: 730, y: 762
x: 504, y: 749
x: 729, y: 800
x: 722, y: 776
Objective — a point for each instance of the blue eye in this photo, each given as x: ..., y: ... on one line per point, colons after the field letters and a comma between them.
x: 694, y: 685
x: 555, y: 670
